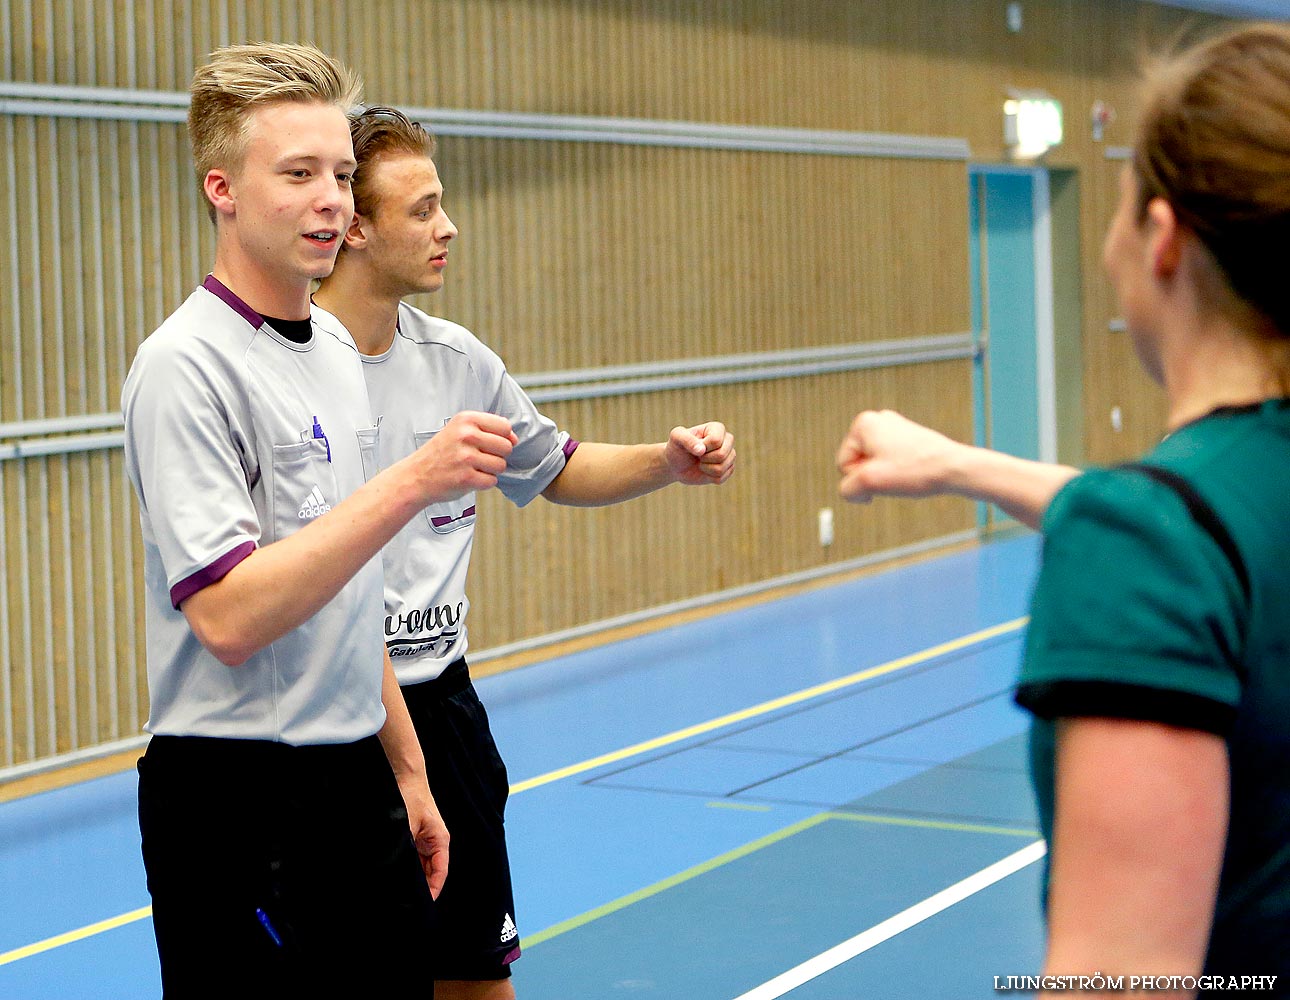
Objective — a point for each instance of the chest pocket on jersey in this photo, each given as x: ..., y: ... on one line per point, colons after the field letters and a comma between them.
x: 369, y: 448
x: 304, y: 486
x: 451, y: 515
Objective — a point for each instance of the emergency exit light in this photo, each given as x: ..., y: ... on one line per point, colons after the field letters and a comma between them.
x: 1032, y: 124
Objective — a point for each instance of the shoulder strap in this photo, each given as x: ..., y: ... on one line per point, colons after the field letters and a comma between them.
x: 1203, y: 514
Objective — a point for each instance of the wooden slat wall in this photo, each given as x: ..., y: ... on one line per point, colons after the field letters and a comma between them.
x: 1112, y: 376
x: 577, y: 255
x: 572, y: 255
x: 546, y: 568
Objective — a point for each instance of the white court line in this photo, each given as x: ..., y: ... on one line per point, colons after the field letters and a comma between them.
x: 889, y: 928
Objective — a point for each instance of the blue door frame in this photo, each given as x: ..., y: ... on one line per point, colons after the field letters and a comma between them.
x: 1011, y: 290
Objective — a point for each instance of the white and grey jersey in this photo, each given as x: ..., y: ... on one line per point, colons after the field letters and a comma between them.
x: 236, y: 437
x: 433, y: 370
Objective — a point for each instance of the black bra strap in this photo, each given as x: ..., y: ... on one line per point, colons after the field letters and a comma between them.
x: 1203, y: 514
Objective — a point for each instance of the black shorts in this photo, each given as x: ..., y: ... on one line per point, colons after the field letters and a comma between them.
x: 281, y: 871
x: 476, y: 937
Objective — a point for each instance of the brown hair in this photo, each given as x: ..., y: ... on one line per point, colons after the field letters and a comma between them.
x: 239, y: 79
x: 1214, y: 141
x: 379, y: 131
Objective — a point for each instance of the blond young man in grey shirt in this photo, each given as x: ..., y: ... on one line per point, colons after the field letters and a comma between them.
x: 291, y: 842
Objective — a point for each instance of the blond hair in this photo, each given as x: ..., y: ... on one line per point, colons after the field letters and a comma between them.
x: 239, y: 79
x: 1214, y: 141
x: 377, y: 132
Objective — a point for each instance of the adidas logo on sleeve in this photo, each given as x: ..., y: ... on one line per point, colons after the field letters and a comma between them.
x: 313, y: 506
x: 508, y: 929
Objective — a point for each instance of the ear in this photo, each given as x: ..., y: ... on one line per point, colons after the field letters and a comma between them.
x: 218, y: 187
x: 355, y: 237
x: 1165, y: 239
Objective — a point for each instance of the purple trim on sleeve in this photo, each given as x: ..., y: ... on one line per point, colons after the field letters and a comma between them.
x: 221, y: 291
x: 570, y: 447
x: 213, y: 573
x: 511, y: 955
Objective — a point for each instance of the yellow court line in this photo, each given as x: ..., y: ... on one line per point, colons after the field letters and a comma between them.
x: 954, y: 645
x: 58, y: 940
x: 795, y: 698
x: 573, y: 923
x: 751, y: 807
x: 933, y: 824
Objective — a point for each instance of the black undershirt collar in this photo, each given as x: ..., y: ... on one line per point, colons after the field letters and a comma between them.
x: 298, y: 331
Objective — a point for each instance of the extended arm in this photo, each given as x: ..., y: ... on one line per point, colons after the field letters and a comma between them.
x: 280, y: 586
x: 399, y: 739
x: 886, y: 454
x: 1140, y: 825
x: 600, y: 474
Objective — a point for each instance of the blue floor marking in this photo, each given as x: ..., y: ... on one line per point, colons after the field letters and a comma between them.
x: 966, y: 791
x: 600, y: 700
x: 829, y: 783
x: 710, y: 771
x: 743, y: 923
x: 774, y: 761
x: 951, y: 737
x: 575, y: 848
x: 880, y: 708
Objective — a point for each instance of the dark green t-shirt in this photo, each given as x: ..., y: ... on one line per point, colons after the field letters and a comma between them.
x: 1139, y: 613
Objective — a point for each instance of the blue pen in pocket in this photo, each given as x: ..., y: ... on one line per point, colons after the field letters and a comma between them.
x: 268, y: 926
x: 319, y: 435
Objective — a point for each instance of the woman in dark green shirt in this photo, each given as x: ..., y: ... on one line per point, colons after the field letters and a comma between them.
x: 1158, y: 656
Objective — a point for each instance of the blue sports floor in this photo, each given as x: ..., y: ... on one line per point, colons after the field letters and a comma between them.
x: 822, y: 797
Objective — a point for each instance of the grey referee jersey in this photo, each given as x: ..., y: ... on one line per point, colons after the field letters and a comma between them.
x: 235, y: 438
x: 432, y: 371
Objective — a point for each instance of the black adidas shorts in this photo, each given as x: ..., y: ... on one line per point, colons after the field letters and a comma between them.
x: 281, y: 871
x: 476, y: 937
